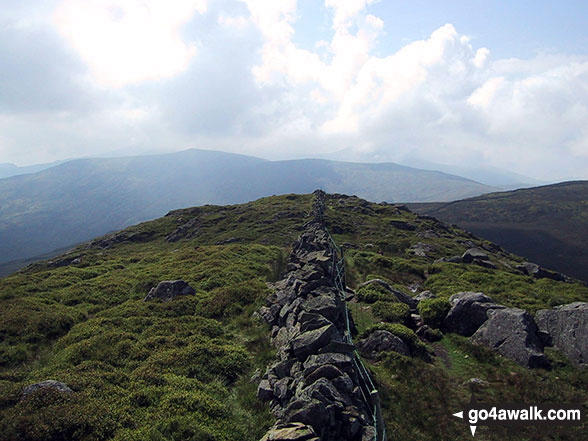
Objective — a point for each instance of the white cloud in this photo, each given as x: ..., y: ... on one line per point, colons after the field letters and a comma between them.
x: 248, y: 86
x: 129, y: 41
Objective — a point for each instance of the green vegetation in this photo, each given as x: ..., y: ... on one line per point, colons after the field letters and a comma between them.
x: 433, y: 311
x: 147, y: 370
x: 547, y: 224
x: 393, y: 312
x: 419, y: 396
x: 180, y: 370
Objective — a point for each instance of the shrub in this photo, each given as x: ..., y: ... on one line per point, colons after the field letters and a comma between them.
x: 394, y: 312
x: 433, y: 311
x: 373, y: 293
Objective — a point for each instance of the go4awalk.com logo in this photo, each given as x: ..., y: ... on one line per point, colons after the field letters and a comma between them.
x: 518, y: 415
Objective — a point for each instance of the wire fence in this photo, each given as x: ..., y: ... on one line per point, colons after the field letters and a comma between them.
x: 366, y: 384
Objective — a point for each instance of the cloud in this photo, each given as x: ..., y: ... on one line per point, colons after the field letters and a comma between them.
x: 131, y: 41
x: 230, y: 74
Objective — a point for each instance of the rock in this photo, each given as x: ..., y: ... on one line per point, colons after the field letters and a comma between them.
x: 327, y: 371
x: 424, y: 296
x: 380, y: 341
x: 368, y: 433
x: 342, y: 361
x: 309, y: 321
x: 324, y: 305
x: 47, y: 384
x: 168, y: 289
x: 474, y: 253
x: 265, y: 391
x: 452, y: 259
x: 324, y: 391
x: 468, y: 312
x: 512, y: 333
x: 484, y: 263
x: 310, y: 341
x: 311, y: 412
x: 281, y: 391
x: 534, y: 270
x: 567, y: 327
x: 291, y: 432
x: 421, y: 249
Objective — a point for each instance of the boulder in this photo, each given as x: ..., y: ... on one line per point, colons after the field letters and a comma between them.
x: 512, y: 332
x: 567, y: 326
x: 47, y: 384
x: 534, y: 270
x: 424, y: 296
x: 167, y: 290
x: 310, y: 341
x: 380, y: 341
x: 343, y: 361
x: 291, y: 432
x: 468, y: 312
x: 474, y: 253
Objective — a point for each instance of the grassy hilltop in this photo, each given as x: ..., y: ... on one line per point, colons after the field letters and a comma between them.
x: 181, y: 370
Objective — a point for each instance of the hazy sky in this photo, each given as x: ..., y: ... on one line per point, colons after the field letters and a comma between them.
x: 501, y: 83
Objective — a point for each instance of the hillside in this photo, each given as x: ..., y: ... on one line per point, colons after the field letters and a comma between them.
x: 81, y: 199
x: 190, y: 368
x: 547, y: 224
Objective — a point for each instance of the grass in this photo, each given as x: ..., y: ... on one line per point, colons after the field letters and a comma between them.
x: 181, y: 370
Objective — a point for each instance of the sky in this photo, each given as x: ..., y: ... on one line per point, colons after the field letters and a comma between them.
x: 463, y: 82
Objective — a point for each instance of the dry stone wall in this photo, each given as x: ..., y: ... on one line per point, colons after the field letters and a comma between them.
x: 314, y: 389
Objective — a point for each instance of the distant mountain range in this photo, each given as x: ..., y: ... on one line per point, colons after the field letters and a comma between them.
x: 547, y: 224
x: 80, y: 199
x: 7, y: 170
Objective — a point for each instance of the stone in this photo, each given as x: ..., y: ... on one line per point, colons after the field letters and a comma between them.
x: 380, y: 341
x: 534, y: 270
x: 342, y: 361
x: 512, y: 332
x: 567, y: 327
x: 425, y: 295
x: 327, y: 371
x: 47, y: 384
x: 281, y: 390
x: 474, y: 253
x: 310, y: 341
x: 309, y: 321
x: 265, y: 391
x: 291, y: 432
x: 311, y: 412
x: 468, y: 312
x: 167, y: 290
x: 324, y: 305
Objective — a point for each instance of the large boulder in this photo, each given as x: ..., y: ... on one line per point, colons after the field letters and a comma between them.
x: 512, y: 332
x: 47, y: 384
x: 468, y: 312
x: 167, y: 290
x: 380, y: 341
x: 567, y: 326
x: 400, y: 296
